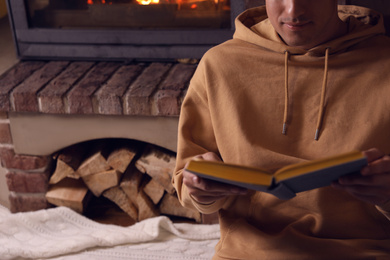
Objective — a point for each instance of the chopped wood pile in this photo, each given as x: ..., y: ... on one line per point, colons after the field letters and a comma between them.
x: 133, y: 175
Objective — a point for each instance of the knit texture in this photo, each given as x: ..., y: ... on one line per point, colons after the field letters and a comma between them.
x: 60, y: 233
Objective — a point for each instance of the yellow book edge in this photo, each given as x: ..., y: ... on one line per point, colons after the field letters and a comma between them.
x: 231, y: 172
x: 298, y: 169
x: 257, y: 176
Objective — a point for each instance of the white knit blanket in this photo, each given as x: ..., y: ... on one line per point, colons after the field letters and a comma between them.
x: 60, y: 233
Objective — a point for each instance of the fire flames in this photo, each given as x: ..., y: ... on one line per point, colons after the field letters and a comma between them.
x: 141, y: 2
x: 191, y: 4
x: 148, y: 2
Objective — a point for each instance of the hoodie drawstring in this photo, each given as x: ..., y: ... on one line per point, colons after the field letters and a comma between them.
x: 286, y: 56
x: 323, y: 92
x: 324, y: 83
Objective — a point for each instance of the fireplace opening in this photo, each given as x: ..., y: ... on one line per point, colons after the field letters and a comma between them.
x: 120, y: 29
x: 117, y: 181
x: 137, y: 14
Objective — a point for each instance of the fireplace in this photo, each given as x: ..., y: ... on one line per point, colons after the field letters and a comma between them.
x: 120, y: 29
x: 129, y: 29
x: 98, y: 78
x: 48, y: 106
x: 95, y: 70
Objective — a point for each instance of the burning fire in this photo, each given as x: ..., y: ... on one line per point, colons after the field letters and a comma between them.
x: 91, y: 2
x: 141, y: 2
x: 192, y: 4
x: 148, y: 2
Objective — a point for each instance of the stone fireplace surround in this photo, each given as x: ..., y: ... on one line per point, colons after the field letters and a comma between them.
x: 46, y: 106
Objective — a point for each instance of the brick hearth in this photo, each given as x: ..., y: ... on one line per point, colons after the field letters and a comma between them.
x: 79, y: 88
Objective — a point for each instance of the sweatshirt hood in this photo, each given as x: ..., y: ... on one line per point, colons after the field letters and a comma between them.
x: 253, y: 26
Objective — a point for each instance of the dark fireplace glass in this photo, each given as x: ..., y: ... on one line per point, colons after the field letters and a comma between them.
x: 134, y: 14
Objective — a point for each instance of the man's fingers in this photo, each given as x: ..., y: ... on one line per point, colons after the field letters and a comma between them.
x: 194, y: 181
x: 379, y: 166
x: 218, y: 187
x: 377, y: 180
x: 207, y: 191
x: 373, y: 154
x: 211, y: 157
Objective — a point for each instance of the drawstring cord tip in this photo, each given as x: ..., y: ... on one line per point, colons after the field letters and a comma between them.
x: 284, y: 131
x: 317, y: 134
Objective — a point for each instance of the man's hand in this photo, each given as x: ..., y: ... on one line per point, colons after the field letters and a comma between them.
x: 374, y: 184
x: 207, y: 191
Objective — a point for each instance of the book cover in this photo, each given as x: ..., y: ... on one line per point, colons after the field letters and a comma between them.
x: 287, y: 181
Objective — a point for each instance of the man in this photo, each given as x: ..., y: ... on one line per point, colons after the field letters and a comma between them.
x: 300, y: 80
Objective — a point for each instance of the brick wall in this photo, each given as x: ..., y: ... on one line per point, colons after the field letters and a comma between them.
x: 26, y: 176
x: 65, y: 87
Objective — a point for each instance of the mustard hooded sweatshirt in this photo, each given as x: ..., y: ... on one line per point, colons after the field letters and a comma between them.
x: 256, y: 101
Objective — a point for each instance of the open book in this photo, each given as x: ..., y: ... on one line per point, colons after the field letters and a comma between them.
x: 285, y: 182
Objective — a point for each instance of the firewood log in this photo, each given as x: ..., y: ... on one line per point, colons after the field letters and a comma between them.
x: 119, y: 159
x: 67, y: 163
x: 62, y: 171
x: 154, y: 191
x: 99, y: 182
x: 93, y: 164
x: 117, y: 195
x: 131, y: 182
x: 146, y: 208
x: 159, y: 165
x: 70, y: 193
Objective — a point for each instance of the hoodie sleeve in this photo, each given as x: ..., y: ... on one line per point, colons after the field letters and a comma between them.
x: 195, y: 137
